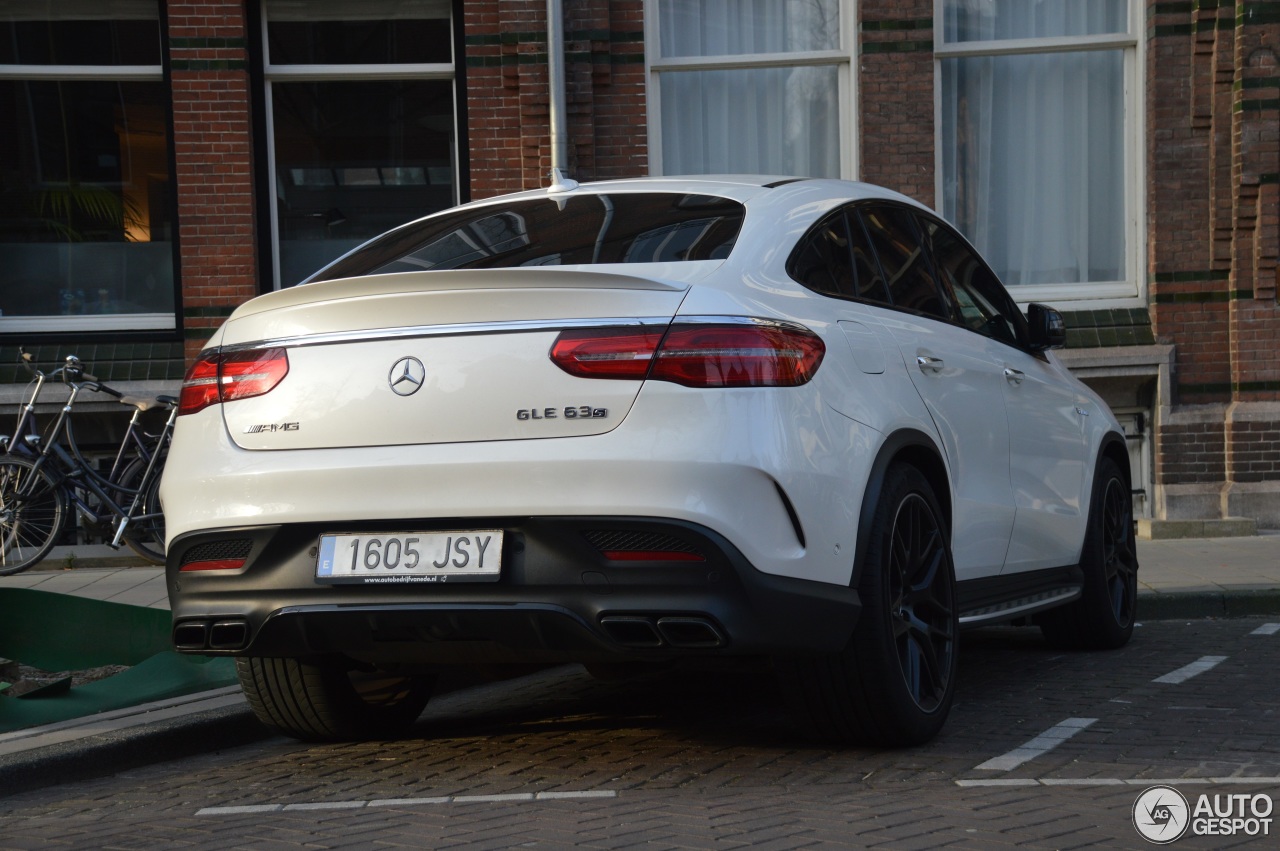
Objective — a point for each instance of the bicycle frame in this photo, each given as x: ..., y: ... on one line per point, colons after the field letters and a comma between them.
x: 25, y: 427
x: 74, y: 475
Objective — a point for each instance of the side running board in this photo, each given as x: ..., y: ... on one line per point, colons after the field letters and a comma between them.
x: 999, y: 599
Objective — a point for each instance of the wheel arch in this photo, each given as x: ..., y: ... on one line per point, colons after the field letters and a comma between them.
x: 912, y: 447
x: 1113, y: 446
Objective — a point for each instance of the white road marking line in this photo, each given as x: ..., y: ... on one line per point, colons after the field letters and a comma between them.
x: 1081, y: 781
x: 1115, y: 781
x: 1267, y: 629
x: 1041, y: 744
x: 407, y: 802
x: 410, y: 802
x: 231, y: 811
x: 1186, y: 672
x: 563, y: 796
x: 1027, y: 782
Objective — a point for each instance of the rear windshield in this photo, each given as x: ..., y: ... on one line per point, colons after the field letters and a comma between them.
x: 656, y: 227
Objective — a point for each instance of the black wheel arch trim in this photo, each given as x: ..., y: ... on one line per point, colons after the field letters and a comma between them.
x: 910, y: 445
x: 1113, y: 445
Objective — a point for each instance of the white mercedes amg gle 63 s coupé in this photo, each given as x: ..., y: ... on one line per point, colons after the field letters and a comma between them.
x: 798, y: 422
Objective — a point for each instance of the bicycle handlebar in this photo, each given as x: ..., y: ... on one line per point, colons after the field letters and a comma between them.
x: 73, y: 372
x: 94, y: 384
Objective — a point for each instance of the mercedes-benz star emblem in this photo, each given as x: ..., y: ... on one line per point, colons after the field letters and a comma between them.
x: 406, y: 376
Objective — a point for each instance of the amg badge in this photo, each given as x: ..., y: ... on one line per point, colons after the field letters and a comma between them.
x: 258, y: 429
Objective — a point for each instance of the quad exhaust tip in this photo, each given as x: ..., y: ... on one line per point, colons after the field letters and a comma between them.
x: 684, y: 632
x: 196, y: 635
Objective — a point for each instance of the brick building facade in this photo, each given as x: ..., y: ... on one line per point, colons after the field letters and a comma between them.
x: 264, y: 178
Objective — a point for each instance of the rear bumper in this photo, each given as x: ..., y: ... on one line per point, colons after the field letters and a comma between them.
x: 559, y: 599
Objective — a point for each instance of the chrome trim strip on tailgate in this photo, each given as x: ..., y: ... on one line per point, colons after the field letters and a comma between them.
x: 475, y: 328
x: 461, y: 329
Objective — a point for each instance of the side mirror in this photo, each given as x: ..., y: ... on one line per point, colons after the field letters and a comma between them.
x: 1048, y: 329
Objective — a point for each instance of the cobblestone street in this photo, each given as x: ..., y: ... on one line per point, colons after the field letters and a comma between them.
x: 1043, y: 749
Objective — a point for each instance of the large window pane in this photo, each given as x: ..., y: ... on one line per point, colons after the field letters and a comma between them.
x: 735, y: 27
x: 354, y: 159
x: 993, y: 20
x: 751, y: 121
x: 324, y: 32
x: 1033, y: 163
x: 79, y: 32
x: 85, y: 210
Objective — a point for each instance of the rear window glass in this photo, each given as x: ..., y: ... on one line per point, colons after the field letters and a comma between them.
x: 576, y: 229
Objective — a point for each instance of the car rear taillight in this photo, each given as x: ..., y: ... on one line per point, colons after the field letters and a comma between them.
x: 738, y: 355
x: 217, y: 378
x: 749, y: 354
x: 606, y: 352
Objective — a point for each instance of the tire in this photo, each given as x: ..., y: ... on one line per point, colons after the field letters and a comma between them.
x: 32, y: 511
x: 326, y: 700
x: 894, y: 683
x: 145, y: 537
x: 1102, y: 618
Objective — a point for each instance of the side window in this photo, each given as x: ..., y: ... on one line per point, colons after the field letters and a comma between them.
x: 822, y: 261
x: 903, y: 260
x: 983, y: 304
x: 871, y: 285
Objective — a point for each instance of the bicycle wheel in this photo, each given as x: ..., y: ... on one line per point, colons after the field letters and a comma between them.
x: 145, y: 537
x: 32, y: 510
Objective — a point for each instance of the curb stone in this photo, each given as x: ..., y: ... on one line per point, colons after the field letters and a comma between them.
x: 1177, y: 605
x: 203, y: 732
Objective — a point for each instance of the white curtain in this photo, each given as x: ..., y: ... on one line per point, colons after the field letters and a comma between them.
x: 777, y: 120
x: 1033, y: 144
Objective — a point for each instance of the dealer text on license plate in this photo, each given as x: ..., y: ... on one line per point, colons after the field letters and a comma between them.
x: 409, y: 557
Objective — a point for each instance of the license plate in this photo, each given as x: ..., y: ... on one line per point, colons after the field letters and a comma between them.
x: 411, y: 557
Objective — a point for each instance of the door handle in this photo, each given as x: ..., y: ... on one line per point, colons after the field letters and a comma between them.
x: 929, y: 364
x: 1013, y: 375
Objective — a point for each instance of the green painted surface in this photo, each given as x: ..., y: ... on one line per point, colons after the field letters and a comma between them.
x: 57, y: 632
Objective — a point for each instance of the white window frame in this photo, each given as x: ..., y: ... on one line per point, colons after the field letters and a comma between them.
x: 656, y: 65
x: 99, y: 321
x: 1131, y: 292
x: 344, y: 72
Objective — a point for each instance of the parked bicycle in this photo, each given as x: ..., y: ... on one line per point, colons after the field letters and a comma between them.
x: 42, y: 476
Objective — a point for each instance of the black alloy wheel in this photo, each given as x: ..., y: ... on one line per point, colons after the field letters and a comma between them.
x: 893, y: 684
x: 1119, y: 553
x: 922, y: 606
x: 1103, y: 616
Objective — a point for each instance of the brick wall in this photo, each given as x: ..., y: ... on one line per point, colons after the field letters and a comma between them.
x: 1255, y: 451
x: 895, y: 95
x: 509, y: 135
x: 1213, y: 217
x: 213, y: 148
x: 1199, y: 450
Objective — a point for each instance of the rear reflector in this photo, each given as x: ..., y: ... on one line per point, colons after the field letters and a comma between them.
x: 748, y: 354
x: 219, y: 564
x: 216, y: 378
x: 649, y: 555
